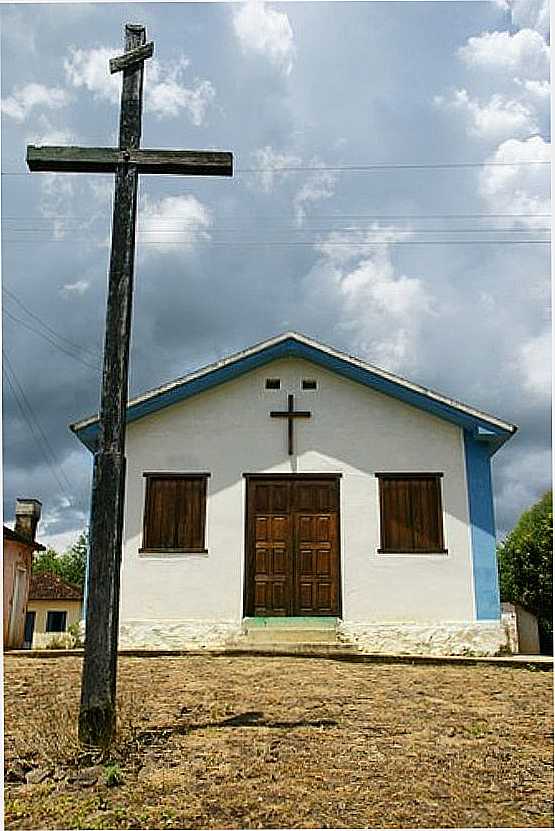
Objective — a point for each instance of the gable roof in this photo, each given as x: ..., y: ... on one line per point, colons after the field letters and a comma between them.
x: 294, y: 345
x: 49, y: 586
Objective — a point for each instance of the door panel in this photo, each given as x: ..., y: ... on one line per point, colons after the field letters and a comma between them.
x: 272, y: 549
x: 317, y: 563
x: 292, y: 546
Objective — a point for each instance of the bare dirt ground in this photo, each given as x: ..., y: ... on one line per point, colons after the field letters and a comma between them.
x: 247, y: 742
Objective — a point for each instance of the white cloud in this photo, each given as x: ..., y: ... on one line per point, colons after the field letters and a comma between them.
x: 518, y: 189
x: 320, y: 185
x: 533, y: 14
x: 165, y: 94
x: 347, y: 246
x: 525, y: 53
x: 25, y: 99
x: 80, y: 287
x: 57, y: 191
x: 89, y: 68
x: 46, y: 133
x: 537, y: 91
x: 534, y: 364
x: 381, y: 314
x: 174, y: 223
x: 265, y: 31
x: 269, y: 160
x: 496, y: 119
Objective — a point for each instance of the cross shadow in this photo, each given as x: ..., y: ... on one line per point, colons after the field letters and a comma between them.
x: 251, y: 718
x: 255, y: 718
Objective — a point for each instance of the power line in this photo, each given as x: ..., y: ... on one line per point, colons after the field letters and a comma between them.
x: 30, y: 420
x: 362, y: 168
x: 71, y: 344
x: 78, y: 218
x: 51, y: 341
x: 318, y: 242
x: 370, y: 167
x: 195, y: 232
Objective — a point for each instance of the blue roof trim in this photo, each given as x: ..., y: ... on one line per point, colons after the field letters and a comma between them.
x: 482, y: 528
x: 291, y: 348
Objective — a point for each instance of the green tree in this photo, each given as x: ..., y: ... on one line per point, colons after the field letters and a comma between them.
x: 526, y: 565
x: 70, y: 565
x: 75, y: 560
x: 46, y: 561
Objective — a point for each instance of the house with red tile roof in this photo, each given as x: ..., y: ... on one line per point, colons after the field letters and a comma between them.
x: 19, y: 544
x: 53, y: 607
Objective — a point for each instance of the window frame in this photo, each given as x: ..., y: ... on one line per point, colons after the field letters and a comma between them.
x: 435, y: 476
x: 149, y: 476
x: 50, y: 612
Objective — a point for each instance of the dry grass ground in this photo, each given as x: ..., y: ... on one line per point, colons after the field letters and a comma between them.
x: 215, y: 742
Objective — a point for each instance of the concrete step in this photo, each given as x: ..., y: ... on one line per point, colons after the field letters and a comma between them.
x: 312, y: 622
x: 289, y: 630
x: 290, y: 635
x: 293, y: 648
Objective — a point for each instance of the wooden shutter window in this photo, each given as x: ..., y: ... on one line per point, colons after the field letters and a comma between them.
x: 411, y: 515
x: 175, y: 513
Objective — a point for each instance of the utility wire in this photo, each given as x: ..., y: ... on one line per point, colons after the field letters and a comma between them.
x: 30, y: 420
x: 57, y: 335
x: 351, y: 228
x: 51, y: 341
x: 78, y: 218
x: 317, y: 242
x: 362, y: 168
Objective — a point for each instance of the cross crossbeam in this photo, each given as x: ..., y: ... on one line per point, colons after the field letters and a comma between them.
x: 132, y: 57
x: 290, y: 414
x: 69, y: 159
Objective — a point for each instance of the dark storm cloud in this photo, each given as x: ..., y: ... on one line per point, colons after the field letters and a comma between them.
x: 361, y: 90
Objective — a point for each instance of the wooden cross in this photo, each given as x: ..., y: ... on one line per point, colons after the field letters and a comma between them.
x: 290, y: 414
x: 98, y: 706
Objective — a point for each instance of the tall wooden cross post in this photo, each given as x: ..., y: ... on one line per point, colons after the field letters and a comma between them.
x: 98, y: 691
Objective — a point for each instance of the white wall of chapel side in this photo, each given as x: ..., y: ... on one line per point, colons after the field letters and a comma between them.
x: 180, y: 600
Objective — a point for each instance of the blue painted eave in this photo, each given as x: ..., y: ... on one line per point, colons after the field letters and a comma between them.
x: 289, y: 347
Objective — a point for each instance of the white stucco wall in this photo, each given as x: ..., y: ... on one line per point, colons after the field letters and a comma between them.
x: 354, y: 431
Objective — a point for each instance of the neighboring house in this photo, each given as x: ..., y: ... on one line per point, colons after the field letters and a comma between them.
x: 522, y: 628
x: 53, y: 606
x: 19, y: 546
x: 294, y: 481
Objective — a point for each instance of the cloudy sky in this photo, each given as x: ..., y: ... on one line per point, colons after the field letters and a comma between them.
x: 389, y: 200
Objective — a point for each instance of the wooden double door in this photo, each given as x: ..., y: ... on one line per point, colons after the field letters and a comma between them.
x: 292, y: 546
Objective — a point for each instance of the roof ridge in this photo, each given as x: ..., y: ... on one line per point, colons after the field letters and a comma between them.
x: 328, y: 353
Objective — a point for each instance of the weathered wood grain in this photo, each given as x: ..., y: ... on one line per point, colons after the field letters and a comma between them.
x: 98, y: 690
x: 131, y: 58
x: 106, y: 159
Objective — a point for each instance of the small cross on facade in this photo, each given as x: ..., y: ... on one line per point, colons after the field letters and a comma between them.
x: 290, y: 414
x: 98, y: 709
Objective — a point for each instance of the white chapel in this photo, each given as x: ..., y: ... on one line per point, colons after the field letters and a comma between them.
x: 294, y: 485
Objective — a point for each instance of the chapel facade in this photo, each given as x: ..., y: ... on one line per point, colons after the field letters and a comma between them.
x: 294, y: 484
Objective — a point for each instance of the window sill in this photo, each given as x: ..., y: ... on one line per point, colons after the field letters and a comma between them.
x: 413, y: 551
x: 173, y: 551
